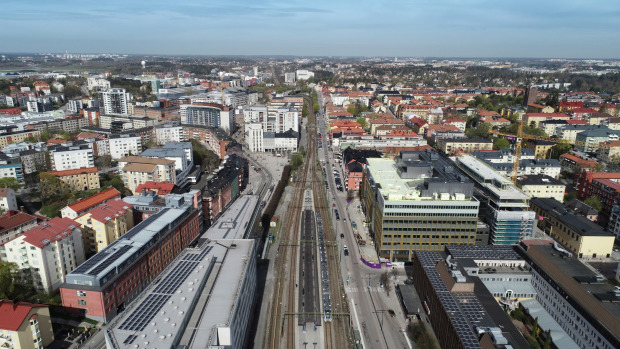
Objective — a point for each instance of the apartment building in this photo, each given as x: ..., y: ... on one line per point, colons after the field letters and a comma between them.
x: 13, y: 223
x: 224, y: 187
x: 542, y: 149
x: 579, y: 235
x: 542, y: 186
x: 71, y: 156
x: 450, y: 145
x: 182, y: 155
x: 80, y: 179
x: 48, y: 251
x: 81, y: 207
x: 97, y: 83
x: 16, y: 137
x: 105, y: 223
x: 110, y: 280
x: 123, y: 122
x: 114, y: 101
x: 503, y: 206
x: 214, y: 138
x: 124, y: 145
x: 168, y: 133
x: 136, y: 170
x: 609, y: 153
x: 25, y: 325
x: 576, y: 162
x: 8, y: 200
x: 11, y: 168
x: 208, y: 115
x: 534, y: 119
x: 254, y: 137
x: 227, y: 301
x: 418, y: 202
x: 579, y: 299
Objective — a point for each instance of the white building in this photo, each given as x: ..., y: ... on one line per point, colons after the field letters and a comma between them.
x: 210, y: 116
x: 97, y: 84
x: 72, y: 157
x: 179, y: 152
x: 287, y: 118
x: 7, y: 199
x: 254, y: 137
x: 255, y: 114
x: 169, y: 133
x: 124, y: 145
x: 114, y: 101
x: 49, y: 251
x: 74, y: 105
x: 304, y: 74
x: 289, y: 78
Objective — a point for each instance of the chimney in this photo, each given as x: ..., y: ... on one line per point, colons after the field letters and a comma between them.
x: 143, y: 192
x: 22, y: 208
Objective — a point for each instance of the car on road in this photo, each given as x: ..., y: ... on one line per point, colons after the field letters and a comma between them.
x: 334, y: 204
x: 344, y: 219
x: 391, y: 312
x: 342, y: 236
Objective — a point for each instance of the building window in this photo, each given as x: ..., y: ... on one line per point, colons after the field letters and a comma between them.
x: 81, y: 302
x: 81, y: 294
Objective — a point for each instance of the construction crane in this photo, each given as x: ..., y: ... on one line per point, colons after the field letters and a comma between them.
x: 520, y: 137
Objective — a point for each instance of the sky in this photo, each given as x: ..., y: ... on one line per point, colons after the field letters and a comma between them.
x: 395, y: 28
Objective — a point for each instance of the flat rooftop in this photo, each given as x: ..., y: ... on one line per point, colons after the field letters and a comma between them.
x: 490, y: 179
x: 579, y: 284
x: 235, y: 221
x: 188, y: 301
x: 117, y: 256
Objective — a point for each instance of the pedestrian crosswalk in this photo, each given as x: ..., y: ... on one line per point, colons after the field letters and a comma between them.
x: 362, y: 289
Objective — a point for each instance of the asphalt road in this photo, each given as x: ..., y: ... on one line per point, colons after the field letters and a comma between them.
x: 378, y: 328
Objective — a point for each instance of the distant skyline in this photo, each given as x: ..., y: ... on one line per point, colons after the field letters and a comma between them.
x: 414, y: 28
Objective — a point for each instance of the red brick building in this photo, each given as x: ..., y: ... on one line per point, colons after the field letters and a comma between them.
x: 603, y: 185
x: 103, y: 285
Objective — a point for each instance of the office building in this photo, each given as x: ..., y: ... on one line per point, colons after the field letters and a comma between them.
x: 25, y: 325
x: 578, y: 298
x: 104, y: 224
x: 48, y: 251
x: 223, y: 267
x: 79, y: 208
x: 461, y: 310
x: 503, y: 206
x: 303, y: 74
x: 254, y: 137
x: 113, y: 101
x: 97, y: 83
x: 110, y: 280
x: 418, y: 202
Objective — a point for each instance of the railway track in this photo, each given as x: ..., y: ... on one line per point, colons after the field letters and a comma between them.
x: 280, y: 328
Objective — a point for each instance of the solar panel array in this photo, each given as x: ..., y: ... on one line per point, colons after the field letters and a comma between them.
x: 470, y: 306
x: 130, y: 339
x: 325, y: 288
x: 482, y: 252
x: 449, y: 301
x: 145, y: 312
x: 108, y: 261
x: 138, y: 228
x: 91, y: 262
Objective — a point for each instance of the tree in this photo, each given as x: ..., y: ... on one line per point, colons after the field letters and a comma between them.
x: 559, y: 149
x: 296, y: 161
x: 501, y: 143
x: 72, y: 91
x: 8, y: 276
x: 103, y: 161
x: 594, y: 202
x: 45, y: 136
x: 482, y: 131
x: 10, y: 182
x: 387, y: 284
x: 362, y: 121
x: 535, y: 328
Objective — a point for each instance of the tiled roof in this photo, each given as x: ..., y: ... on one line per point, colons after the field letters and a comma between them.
x: 77, y: 171
x: 53, y: 230
x: 109, y: 210
x: 95, y: 200
x: 12, y: 315
x: 160, y: 187
x: 12, y: 219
